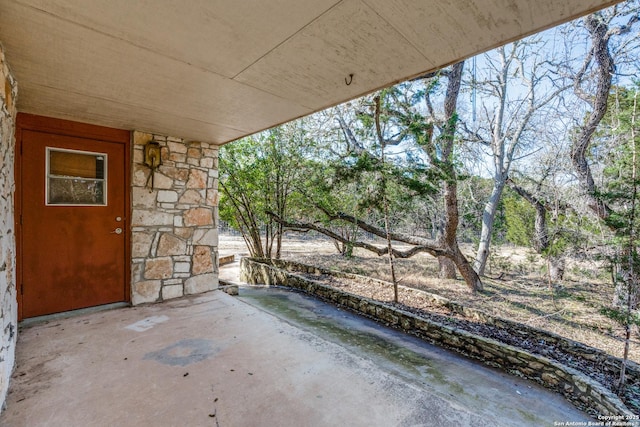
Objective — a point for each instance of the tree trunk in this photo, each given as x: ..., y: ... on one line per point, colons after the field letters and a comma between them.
x: 442, y: 154
x: 626, y: 292
x: 447, y: 268
x: 541, y: 235
x: 449, y: 239
x: 471, y: 278
x: 541, y: 241
x: 556, y: 267
x: 385, y: 201
x: 488, y: 218
x: 446, y: 265
x: 278, y: 238
x: 605, y: 69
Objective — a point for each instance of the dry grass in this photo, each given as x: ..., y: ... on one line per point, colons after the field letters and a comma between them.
x: 570, y: 308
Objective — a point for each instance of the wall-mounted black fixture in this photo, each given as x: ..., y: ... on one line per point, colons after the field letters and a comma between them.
x: 152, y: 159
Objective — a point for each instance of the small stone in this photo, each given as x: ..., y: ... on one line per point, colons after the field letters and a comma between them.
x: 209, y: 152
x: 206, y: 237
x: 182, y: 267
x: 177, y: 157
x: 177, y: 147
x: 140, y: 175
x: 513, y: 360
x: 172, y: 291
x: 158, y: 268
x: 230, y: 289
x: 175, y: 173
x: 146, y: 291
x: 138, y: 156
x: 202, y: 261
x: 191, y: 197
x: 183, y: 233
x: 141, y: 138
x: 171, y: 245
x: 535, y: 365
x: 200, y: 284
x: 212, y: 197
x: 166, y: 196
x: 577, y: 381
x: 141, y: 197
x: 198, y: 216
x: 161, y: 181
x: 549, y: 378
x: 148, y: 218
x: 141, y: 244
x: 164, y: 155
x: 197, y: 179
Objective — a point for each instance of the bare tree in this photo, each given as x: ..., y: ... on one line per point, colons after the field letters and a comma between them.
x: 518, y: 84
x: 543, y: 237
x: 592, y: 84
x: 436, y: 141
x: 385, y: 199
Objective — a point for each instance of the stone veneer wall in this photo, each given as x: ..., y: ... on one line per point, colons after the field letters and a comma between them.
x: 8, y: 300
x: 578, y: 388
x: 174, y: 240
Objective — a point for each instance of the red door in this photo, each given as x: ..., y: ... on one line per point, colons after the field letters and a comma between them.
x: 73, y: 221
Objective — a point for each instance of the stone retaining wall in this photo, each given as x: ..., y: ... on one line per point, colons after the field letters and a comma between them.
x: 584, y: 392
x: 174, y: 224
x: 8, y: 300
x: 608, y: 362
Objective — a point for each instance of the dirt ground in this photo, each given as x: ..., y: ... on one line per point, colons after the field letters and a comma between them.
x: 570, y: 308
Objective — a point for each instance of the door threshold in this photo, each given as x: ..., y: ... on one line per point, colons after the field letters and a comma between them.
x: 65, y: 314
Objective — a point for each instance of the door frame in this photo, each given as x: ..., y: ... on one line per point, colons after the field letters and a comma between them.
x: 62, y: 127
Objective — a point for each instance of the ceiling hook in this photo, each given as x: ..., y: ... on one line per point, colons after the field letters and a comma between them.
x: 348, y: 83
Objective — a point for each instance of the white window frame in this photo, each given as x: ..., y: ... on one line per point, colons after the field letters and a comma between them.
x: 48, y: 175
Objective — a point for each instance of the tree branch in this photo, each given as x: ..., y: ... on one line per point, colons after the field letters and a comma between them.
x: 352, y: 142
x: 294, y: 225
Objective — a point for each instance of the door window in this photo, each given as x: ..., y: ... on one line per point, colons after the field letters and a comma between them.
x: 76, y: 178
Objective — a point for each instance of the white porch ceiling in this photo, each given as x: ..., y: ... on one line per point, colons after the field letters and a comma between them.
x: 217, y: 70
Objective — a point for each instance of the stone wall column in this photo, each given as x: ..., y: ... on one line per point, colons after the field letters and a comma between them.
x: 175, y: 223
x: 8, y: 299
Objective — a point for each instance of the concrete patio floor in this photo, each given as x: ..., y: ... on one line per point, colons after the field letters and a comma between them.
x: 215, y: 360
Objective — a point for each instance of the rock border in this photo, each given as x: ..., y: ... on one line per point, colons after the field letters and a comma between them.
x: 609, y: 363
x: 584, y: 392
